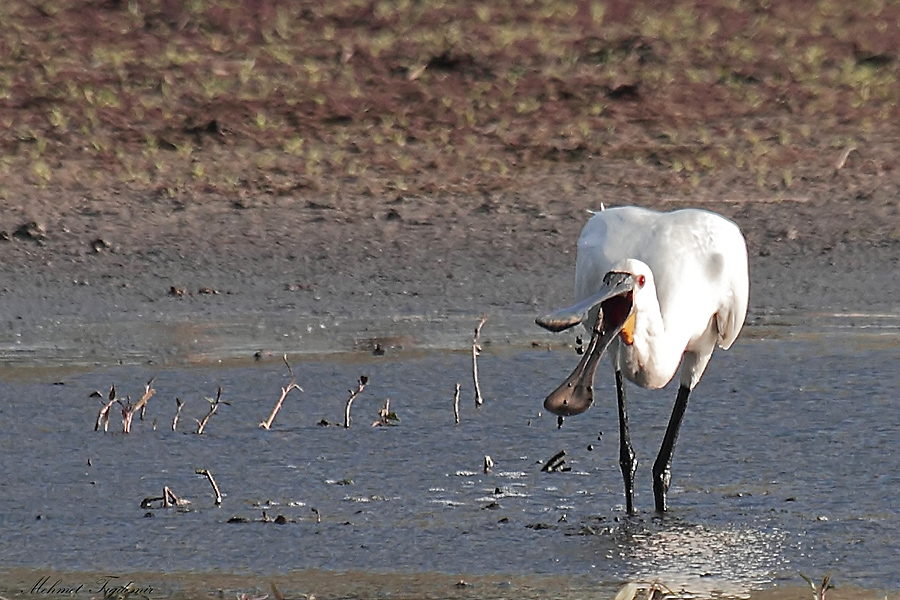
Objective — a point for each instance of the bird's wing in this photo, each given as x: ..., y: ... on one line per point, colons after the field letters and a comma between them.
x: 736, y: 296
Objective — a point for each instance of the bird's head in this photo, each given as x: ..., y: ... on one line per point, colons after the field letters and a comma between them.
x: 606, y: 314
x: 621, y: 294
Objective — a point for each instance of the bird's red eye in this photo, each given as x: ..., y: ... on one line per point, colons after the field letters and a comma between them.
x: 641, y: 281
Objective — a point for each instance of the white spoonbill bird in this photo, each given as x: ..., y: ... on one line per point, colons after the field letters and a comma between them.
x: 658, y: 290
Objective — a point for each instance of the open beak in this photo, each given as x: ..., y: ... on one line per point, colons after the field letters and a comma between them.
x: 614, y: 305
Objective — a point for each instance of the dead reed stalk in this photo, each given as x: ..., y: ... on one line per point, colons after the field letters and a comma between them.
x: 488, y: 464
x: 267, y: 424
x: 213, y: 406
x: 476, y: 350
x: 103, y: 415
x: 212, y: 482
x: 386, y: 418
x: 128, y: 409
x: 167, y: 500
x: 363, y: 380
x: 179, y: 405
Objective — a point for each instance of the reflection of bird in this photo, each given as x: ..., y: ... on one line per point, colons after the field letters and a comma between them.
x: 658, y: 289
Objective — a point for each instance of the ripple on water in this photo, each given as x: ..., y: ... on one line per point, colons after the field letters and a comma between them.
x: 779, y: 434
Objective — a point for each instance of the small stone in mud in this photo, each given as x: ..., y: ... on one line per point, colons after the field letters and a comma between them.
x: 99, y: 245
x: 30, y: 231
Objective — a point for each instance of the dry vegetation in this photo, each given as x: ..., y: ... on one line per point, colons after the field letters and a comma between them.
x: 370, y: 97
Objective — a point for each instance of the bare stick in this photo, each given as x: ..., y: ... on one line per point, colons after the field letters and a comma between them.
x: 213, y: 406
x: 363, y: 380
x: 212, y: 482
x: 456, y: 404
x: 179, y: 404
x: 385, y: 416
x: 103, y: 415
x: 267, y: 424
x: 383, y: 413
x: 167, y: 500
x: 128, y: 409
x: 170, y: 499
x: 476, y: 350
x: 556, y: 463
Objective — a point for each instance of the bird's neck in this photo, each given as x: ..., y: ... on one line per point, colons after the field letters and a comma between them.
x: 655, y: 349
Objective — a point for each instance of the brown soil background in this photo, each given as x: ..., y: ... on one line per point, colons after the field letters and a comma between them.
x: 175, y: 163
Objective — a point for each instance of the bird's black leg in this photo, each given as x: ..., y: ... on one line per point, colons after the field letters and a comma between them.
x: 627, y: 461
x: 662, y: 468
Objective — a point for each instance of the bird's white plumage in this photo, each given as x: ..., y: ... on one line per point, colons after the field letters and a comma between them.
x: 695, y: 264
x: 656, y: 290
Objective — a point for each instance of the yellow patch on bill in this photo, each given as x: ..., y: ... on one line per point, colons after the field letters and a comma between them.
x: 627, y: 332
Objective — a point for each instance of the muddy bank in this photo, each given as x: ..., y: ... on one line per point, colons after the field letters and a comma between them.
x: 324, y: 584
x: 293, y: 276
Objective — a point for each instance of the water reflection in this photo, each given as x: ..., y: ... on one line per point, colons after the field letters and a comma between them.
x: 701, y: 560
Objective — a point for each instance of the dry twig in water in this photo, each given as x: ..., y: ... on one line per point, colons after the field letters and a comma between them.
x: 213, y: 406
x: 456, y: 404
x: 103, y: 415
x: 385, y: 416
x: 476, y: 350
x: 128, y: 409
x: 363, y: 380
x: 167, y: 500
x: 212, y: 482
x: 556, y: 463
x: 179, y: 404
x: 267, y: 424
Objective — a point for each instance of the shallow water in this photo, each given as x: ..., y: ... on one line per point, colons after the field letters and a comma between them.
x: 785, y: 464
